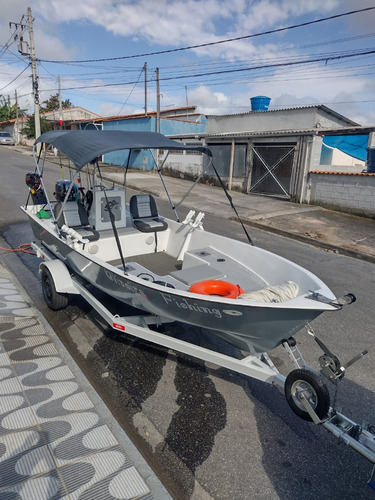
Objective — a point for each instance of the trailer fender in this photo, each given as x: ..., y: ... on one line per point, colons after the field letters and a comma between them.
x: 61, y: 276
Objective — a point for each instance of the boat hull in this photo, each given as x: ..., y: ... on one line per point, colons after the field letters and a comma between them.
x: 255, y: 328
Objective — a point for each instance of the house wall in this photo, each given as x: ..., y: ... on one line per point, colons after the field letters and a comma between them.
x: 351, y: 193
x: 143, y: 160
x: 184, y: 164
x: 181, y: 127
x: 69, y: 114
x: 261, y: 121
x: 335, y: 161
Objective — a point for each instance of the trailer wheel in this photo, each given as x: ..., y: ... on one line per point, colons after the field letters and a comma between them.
x: 54, y: 299
x: 314, y: 389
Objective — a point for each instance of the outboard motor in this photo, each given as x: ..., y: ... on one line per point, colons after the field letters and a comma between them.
x: 34, y: 184
x: 62, y: 187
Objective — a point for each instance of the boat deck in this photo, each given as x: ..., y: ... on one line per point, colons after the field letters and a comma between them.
x: 159, y: 263
x: 200, y: 264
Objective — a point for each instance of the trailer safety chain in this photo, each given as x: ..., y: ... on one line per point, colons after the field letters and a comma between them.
x: 24, y: 248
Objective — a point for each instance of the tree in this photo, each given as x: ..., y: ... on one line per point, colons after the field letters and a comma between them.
x: 29, y: 128
x: 52, y: 104
x: 8, y: 111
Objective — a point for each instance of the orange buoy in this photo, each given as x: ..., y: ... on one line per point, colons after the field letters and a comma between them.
x: 216, y: 287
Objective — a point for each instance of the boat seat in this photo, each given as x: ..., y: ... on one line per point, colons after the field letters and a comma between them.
x: 75, y: 216
x: 145, y: 214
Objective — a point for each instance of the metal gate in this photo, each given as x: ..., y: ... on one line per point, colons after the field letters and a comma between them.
x: 272, y: 169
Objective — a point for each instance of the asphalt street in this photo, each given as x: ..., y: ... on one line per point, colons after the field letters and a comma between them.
x: 207, y: 432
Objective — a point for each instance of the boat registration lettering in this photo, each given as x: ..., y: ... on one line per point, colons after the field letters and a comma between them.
x: 192, y: 306
x: 131, y: 288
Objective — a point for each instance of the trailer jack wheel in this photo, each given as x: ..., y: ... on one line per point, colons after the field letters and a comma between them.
x: 302, y: 381
x: 54, y: 299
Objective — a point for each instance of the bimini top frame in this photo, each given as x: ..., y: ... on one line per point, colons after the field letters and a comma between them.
x: 83, y: 146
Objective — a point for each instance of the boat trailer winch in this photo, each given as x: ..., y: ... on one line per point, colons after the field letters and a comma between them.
x: 304, y: 387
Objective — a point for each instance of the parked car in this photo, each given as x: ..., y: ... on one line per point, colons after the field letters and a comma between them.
x: 6, y: 138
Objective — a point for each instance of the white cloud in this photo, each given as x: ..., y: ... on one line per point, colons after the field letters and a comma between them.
x: 211, y: 103
x: 167, y: 24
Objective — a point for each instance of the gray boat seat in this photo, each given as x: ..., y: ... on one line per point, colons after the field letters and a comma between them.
x: 75, y: 216
x: 145, y: 214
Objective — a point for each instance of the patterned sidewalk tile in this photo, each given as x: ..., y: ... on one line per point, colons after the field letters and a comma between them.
x: 108, y: 475
x: 76, y: 436
x: 46, y: 487
x: 4, y: 358
x: 23, y: 455
x: 24, y: 341
x: 51, y: 390
x: 53, y: 443
x: 15, y: 411
x: 11, y: 302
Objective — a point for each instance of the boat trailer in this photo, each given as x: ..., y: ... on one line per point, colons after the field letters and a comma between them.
x: 304, y: 387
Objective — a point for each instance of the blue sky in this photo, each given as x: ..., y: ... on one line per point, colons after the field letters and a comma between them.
x: 219, y: 78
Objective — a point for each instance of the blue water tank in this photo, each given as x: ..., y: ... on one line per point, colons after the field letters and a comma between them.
x: 260, y: 103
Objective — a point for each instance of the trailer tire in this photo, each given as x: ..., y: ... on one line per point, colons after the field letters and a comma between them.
x: 315, y: 390
x: 54, y: 299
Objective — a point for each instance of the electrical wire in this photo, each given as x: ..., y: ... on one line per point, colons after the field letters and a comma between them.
x: 126, y: 100
x: 14, y: 79
x: 324, y: 58
x: 269, y: 32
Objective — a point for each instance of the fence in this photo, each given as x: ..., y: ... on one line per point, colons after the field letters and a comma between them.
x: 347, y: 192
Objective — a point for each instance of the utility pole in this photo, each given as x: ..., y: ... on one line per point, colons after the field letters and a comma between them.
x: 145, y: 70
x: 187, y: 102
x: 25, y: 50
x: 34, y: 74
x: 157, y: 101
x: 60, y: 105
x: 16, y: 127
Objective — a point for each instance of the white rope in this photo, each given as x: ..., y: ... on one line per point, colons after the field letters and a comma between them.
x: 277, y: 293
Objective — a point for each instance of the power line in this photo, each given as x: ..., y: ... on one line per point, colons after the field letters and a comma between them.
x: 236, y: 70
x: 15, y: 78
x: 179, y: 49
x: 130, y: 93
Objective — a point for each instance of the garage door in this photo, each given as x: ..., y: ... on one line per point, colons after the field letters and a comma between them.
x: 272, y: 169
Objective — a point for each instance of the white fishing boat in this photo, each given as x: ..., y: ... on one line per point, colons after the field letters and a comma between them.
x: 174, y: 269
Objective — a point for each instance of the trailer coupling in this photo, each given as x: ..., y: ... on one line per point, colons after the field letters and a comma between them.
x: 358, y: 437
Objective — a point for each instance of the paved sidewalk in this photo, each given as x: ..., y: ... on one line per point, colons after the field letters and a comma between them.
x: 57, y: 438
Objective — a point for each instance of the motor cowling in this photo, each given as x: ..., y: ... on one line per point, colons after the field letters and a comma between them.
x: 61, y: 189
x: 34, y: 184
